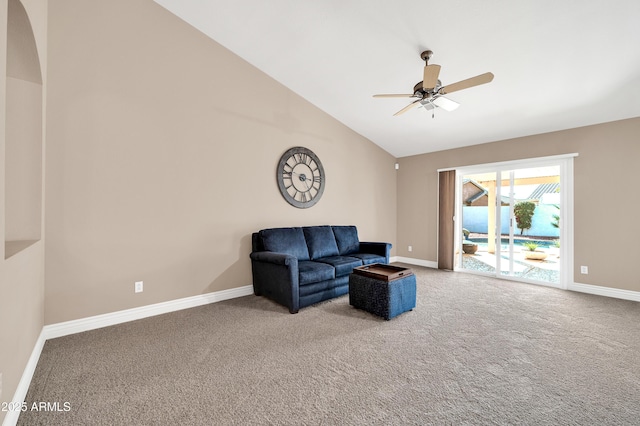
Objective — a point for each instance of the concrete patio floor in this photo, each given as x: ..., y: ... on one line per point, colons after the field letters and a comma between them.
x: 547, y: 270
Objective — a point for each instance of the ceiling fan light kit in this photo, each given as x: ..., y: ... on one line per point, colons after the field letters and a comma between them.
x: 445, y: 103
x: 430, y: 91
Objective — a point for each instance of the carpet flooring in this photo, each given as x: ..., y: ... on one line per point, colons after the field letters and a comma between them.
x: 475, y: 351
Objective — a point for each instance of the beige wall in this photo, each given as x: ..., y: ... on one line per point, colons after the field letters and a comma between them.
x: 161, y: 156
x: 23, y: 165
x: 21, y: 275
x: 604, y: 201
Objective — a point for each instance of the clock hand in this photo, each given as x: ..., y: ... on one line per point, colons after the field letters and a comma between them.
x: 302, y: 178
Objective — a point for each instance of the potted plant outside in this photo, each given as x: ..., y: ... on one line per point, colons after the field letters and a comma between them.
x: 469, y: 247
x: 531, y: 252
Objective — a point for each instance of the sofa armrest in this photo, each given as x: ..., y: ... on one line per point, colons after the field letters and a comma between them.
x: 276, y: 275
x: 381, y: 249
x: 275, y: 258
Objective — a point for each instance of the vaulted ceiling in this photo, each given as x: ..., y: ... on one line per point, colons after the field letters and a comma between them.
x: 557, y: 64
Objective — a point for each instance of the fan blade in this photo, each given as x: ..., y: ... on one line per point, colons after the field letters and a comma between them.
x: 408, y: 107
x: 430, y: 79
x: 445, y: 103
x: 465, y: 84
x: 394, y: 96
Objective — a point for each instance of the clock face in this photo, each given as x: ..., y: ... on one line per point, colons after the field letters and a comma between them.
x: 300, y: 177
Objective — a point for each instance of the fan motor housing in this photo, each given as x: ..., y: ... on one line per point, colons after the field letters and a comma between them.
x: 418, y: 89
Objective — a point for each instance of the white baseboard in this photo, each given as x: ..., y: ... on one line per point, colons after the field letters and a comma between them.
x: 11, y: 418
x: 606, y: 291
x: 582, y: 288
x: 412, y: 261
x: 91, y: 323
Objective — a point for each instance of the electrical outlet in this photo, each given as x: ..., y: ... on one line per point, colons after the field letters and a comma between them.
x: 410, y: 248
x: 139, y: 287
x: 584, y: 270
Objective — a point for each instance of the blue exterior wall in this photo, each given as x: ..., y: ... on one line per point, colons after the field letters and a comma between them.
x: 474, y: 218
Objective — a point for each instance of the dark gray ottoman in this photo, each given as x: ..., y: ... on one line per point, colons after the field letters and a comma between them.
x: 383, y: 290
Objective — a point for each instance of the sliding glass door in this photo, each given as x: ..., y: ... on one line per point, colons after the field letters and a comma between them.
x: 510, y: 221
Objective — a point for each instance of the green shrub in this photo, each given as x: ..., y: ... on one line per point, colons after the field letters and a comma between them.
x: 523, y: 212
x: 556, y: 218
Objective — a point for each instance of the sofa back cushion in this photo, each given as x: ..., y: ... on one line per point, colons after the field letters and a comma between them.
x: 285, y: 240
x: 347, y: 239
x: 320, y: 241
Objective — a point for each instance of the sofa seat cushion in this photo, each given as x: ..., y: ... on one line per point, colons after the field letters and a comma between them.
x: 346, y: 239
x: 320, y: 241
x: 368, y: 258
x: 343, y: 264
x: 285, y: 240
x: 313, y: 272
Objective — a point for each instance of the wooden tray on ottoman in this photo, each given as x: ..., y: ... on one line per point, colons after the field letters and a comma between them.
x: 382, y: 271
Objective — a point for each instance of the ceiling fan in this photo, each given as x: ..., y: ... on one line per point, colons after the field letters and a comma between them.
x: 430, y: 91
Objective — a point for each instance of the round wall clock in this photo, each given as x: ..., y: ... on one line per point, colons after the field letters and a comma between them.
x: 300, y: 177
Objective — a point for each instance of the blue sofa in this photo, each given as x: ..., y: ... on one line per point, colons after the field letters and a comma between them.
x: 298, y: 267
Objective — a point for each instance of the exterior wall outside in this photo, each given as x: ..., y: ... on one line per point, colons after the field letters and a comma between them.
x: 469, y: 190
x: 475, y: 220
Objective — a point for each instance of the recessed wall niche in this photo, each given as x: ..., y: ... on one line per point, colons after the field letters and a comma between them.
x: 23, y: 134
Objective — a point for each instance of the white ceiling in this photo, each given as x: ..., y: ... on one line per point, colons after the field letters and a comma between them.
x: 558, y: 64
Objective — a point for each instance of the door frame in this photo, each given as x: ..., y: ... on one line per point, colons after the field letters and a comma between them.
x: 565, y: 162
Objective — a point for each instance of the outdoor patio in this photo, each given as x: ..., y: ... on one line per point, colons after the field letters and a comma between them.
x: 546, y: 270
